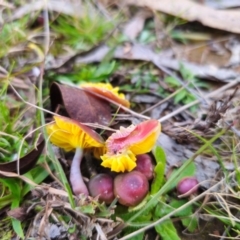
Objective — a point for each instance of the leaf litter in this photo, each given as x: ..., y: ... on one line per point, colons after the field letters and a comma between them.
x: 183, y: 131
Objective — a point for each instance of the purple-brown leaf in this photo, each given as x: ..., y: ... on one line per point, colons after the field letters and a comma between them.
x: 80, y: 105
x: 26, y: 162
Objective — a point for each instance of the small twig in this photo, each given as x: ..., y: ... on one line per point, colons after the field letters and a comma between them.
x: 184, y: 85
x: 30, y: 104
x: 212, y: 94
x: 162, y: 101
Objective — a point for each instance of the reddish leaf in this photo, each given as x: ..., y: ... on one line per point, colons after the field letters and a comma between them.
x: 26, y: 162
x: 80, y: 105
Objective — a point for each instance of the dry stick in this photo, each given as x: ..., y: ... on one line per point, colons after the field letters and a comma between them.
x: 163, y: 101
x: 184, y: 85
x: 94, y: 125
x: 30, y: 182
x: 177, y: 210
x: 214, y: 93
x: 21, y: 146
x: 30, y: 104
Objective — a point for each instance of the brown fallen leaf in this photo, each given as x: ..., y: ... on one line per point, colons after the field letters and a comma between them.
x: 227, y: 20
x: 145, y: 53
x: 18, y: 213
x: 26, y: 162
x: 80, y: 105
x: 221, y: 4
x: 69, y: 8
x: 136, y: 24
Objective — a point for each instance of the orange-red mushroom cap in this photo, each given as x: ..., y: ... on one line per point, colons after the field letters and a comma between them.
x: 126, y: 143
x: 107, y: 91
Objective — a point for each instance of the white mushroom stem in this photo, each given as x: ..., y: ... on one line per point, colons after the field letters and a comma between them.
x: 77, y: 183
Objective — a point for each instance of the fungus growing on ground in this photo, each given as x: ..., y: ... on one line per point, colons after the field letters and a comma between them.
x: 123, y: 145
x: 107, y: 92
x: 187, y: 186
x: 145, y: 165
x: 69, y: 135
x: 102, y: 185
x: 130, y: 188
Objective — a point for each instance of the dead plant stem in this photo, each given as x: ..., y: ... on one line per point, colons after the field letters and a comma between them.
x: 212, y: 94
x: 163, y: 101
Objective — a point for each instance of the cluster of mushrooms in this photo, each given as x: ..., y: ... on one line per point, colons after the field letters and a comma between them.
x: 125, y: 153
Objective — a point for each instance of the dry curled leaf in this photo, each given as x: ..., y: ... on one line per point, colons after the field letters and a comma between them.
x: 80, y: 105
x: 222, y: 4
x: 69, y: 8
x: 227, y: 20
x: 145, y: 53
x: 18, y: 213
x: 136, y: 24
x: 26, y: 162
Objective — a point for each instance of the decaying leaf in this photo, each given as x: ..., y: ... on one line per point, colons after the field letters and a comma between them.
x: 221, y: 4
x: 18, y: 213
x: 227, y: 20
x: 69, y: 8
x: 26, y: 162
x: 136, y: 24
x: 145, y: 53
x: 80, y: 105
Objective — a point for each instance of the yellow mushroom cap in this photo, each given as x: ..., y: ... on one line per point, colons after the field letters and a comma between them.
x: 99, y: 151
x: 123, y: 145
x: 120, y: 162
x: 70, y: 134
x: 107, y: 91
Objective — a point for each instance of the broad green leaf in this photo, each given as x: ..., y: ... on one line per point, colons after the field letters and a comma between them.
x: 189, y: 99
x: 72, y: 229
x: 87, y: 209
x: 185, y: 72
x: 17, y: 228
x: 37, y: 175
x: 124, y: 214
x: 162, y: 209
x: 105, y: 69
x: 14, y: 186
x: 172, y: 81
x: 159, y: 170
x: 159, y: 177
x: 167, y: 231
x: 180, y: 96
x: 4, y: 143
x: 146, y: 36
x: 202, y: 84
x: 175, y: 203
x: 189, y: 220
x: 191, y: 223
x: 159, y: 155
